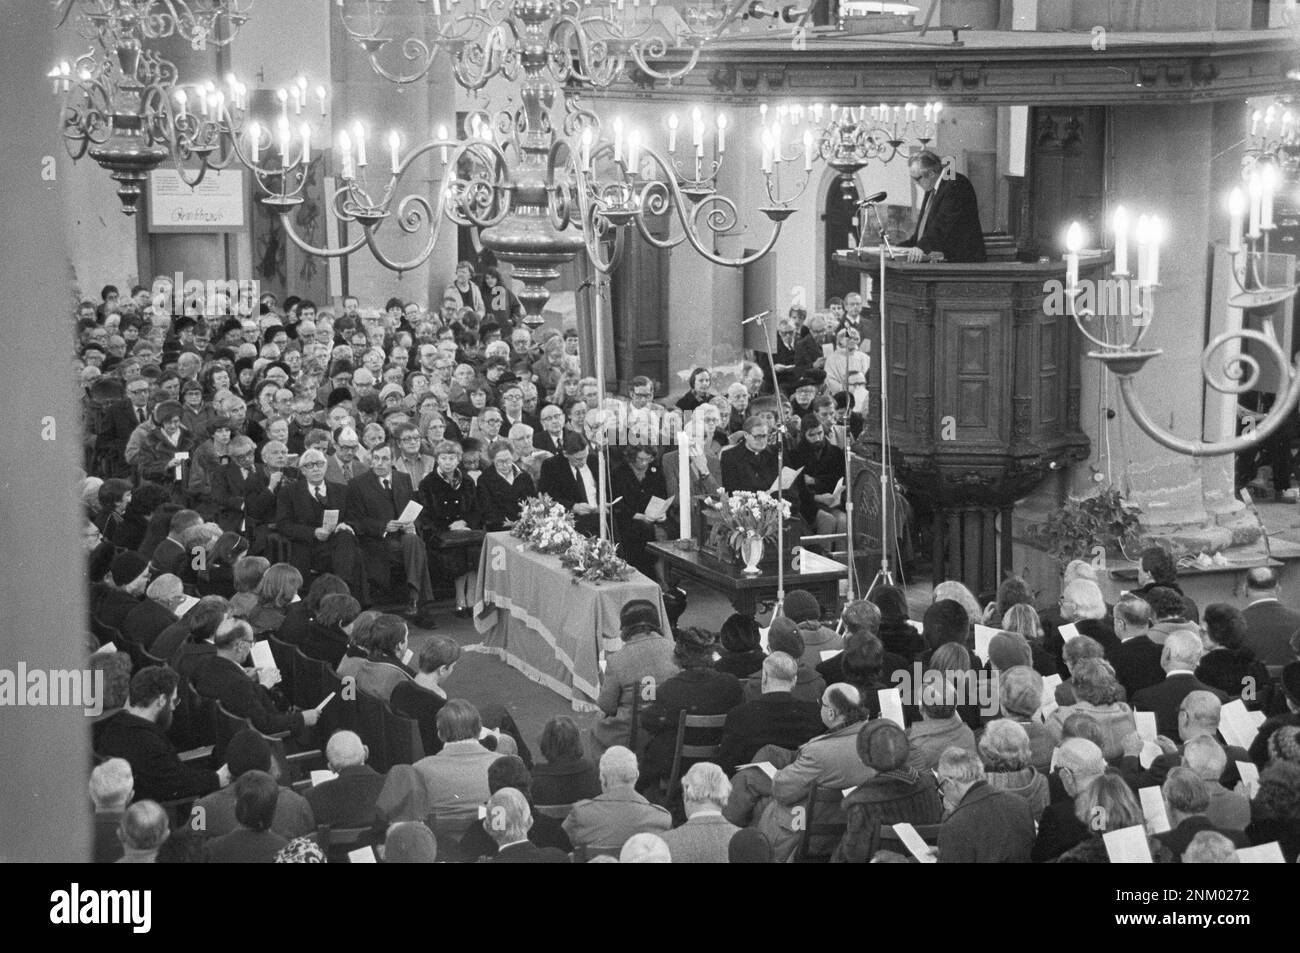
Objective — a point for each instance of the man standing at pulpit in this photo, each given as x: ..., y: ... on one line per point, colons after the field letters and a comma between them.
x: 949, y: 221
x: 571, y: 481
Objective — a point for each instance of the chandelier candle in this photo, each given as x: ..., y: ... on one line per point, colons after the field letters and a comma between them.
x: 1236, y: 211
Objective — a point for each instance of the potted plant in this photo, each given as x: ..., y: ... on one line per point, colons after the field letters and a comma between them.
x: 1105, y: 519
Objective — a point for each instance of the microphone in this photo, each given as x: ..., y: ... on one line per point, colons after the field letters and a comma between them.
x: 873, y: 199
x: 754, y: 317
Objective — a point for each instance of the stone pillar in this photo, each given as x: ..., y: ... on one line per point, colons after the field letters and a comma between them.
x: 42, y: 588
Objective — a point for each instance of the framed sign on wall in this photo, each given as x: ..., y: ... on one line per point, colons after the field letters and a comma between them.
x: 217, y: 204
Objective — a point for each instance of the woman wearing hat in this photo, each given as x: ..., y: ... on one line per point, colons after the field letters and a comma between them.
x: 643, y: 664
x: 165, y: 449
x: 697, y: 688
x: 895, y: 794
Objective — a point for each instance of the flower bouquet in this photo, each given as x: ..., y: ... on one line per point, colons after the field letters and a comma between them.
x: 594, y: 560
x: 749, y: 518
x: 532, y: 512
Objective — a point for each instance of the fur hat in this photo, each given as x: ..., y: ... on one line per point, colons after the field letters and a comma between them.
x: 639, y: 614
x: 882, y: 745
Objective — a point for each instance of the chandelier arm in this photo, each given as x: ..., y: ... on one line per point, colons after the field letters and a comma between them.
x: 413, y: 48
x: 312, y: 249
x: 649, y: 70
x: 589, y: 209
x: 1276, y: 416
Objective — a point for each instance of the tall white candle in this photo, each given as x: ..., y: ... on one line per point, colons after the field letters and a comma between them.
x: 618, y: 139
x: 1073, y: 242
x: 767, y: 151
x: 683, y: 485
x: 722, y: 133
x: 672, y: 132
x: 394, y: 148
x: 345, y: 151
x: 1121, y: 240
x: 254, y: 141
x: 1143, y: 243
x: 359, y: 131
x: 807, y: 151
x: 1236, y: 211
x: 284, y: 141
x: 1256, y: 189
x: 320, y: 95
x: 697, y: 127
x: 1268, y: 185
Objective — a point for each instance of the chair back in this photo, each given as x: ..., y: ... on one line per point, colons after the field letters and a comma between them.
x: 134, y: 651
x: 401, y: 738
x: 282, y: 652
x: 341, y: 713
x: 557, y: 811
x: 683, y: 752
x: 583, y: 853
x: 308, y: 687
x: 370, y: 726
x: 820, y: 837
x: 337, y: 841
x: 104, y: 632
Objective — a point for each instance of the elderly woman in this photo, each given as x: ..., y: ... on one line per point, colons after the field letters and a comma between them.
x: 409, y: 458
x: 502, y: 488
x: 644, y: 663
x: 895, y: 793
x: 165, y: 450
x: 527, y: 457
x: 451, y: 504
x: 1229, y: 664
x: 1076, y: 650
x: 1020, y: 695
x: 742, y: 651
x: 1099, y: 695
x: 1022, y: 619
x: 1083, y: 605
x: 1108, y: 804
x: 1008, y: 763
x: 698, y: 688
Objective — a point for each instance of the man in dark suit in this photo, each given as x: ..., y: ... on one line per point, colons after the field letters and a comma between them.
x: 1079, y: 763
x: 570, y: 480
x: 794, y: 357
x: 776, y: 718
x: 170, y: 555
x: 1270, y: 625
x: 138, y: 734
x: 253, y: 842
x: 1198, y: 717
x: 550, y: 436
x: 1186, y: 800
x: 1181, y: 654
x: 375, y: 501
x: 508, y: 821
x: 510, y: 772
x: 750, y: 465
x: 245, y: 495
x: 155, y: 612
x: 222, y: 676
x: 349, y: 799
x: 300, y: 517
x: 984, y: 824
x: 1136, y: 659
x: 949, y: 221
x: 120, y: 422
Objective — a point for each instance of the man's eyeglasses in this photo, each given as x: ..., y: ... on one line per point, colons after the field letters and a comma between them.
x: 312, y: 464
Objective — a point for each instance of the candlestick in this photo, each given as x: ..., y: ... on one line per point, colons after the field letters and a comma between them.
x: 1073, y: 242
x: 722, y: 134
x: 697, y: 127
x: 282, y: 94
x: 1268, y: 184
x: 1121, y: 240
x: 1256, y: 190
x: 618, y: 139
x: 345, y: 148
x: 633, y: 151
x: 1143, y: 245
x: 283, y: 130
x: 672, y: 132
x: 180, y: 100
x: 683, y: 485
x: 1236, y: 210
x: 767, y: 152
x: 254, y: 141
x: 807, y: 150
x: 442, y: 133
x: 359, y: 132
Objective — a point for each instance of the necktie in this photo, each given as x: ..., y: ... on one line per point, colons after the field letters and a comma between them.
x: 384, y: 484
x: 347, y: 470
x: 582, y: 490
x: 139, y: 413
x: 925, y: 212
x: 320, y: 493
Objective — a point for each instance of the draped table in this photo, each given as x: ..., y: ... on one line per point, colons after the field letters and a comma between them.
x: 543, y: 621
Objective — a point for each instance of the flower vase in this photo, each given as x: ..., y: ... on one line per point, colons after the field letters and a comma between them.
x: 751, y: 551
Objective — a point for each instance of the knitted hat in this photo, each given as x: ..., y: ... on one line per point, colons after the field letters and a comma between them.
x: 802, y: 606
x: 1284, y: 745
x: 748, y: 846
x: 391, y: 389
x: 783, y: 636
x: 882, y: 745
x: 127, y: 567
x: 1009, y: 649
x: 363, y: 378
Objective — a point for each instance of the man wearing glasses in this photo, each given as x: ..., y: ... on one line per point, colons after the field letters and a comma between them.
x: 948, y: 227
x: 551, y: 435
x: 123, y: 418
x: 344, y: 465
x: 317, y: 545
x: 749, y: 465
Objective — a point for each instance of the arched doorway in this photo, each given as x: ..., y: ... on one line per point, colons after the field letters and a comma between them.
x: 840, y: 215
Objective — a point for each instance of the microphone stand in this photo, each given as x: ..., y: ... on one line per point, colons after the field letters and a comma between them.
x: 780, y: 469
x: 883, y: 576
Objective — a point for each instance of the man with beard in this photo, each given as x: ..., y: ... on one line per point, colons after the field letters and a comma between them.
x: 138, y: 734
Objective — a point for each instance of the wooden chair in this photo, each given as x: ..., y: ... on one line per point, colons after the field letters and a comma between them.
x: 341, y: 713
x: 827, y: 834
x: 308, y: 684
x: 684, y: 752
x: 889, y: 840
x: 402, y: 740
x: 557, y: 811
x: 583, y: 853
x: 293, y: 767
x: 196, y: 717
x: 133, y: 650
x: 370, y: 726
x: 282, y: 652
x: 105, y: 633
x: 337, y: 841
